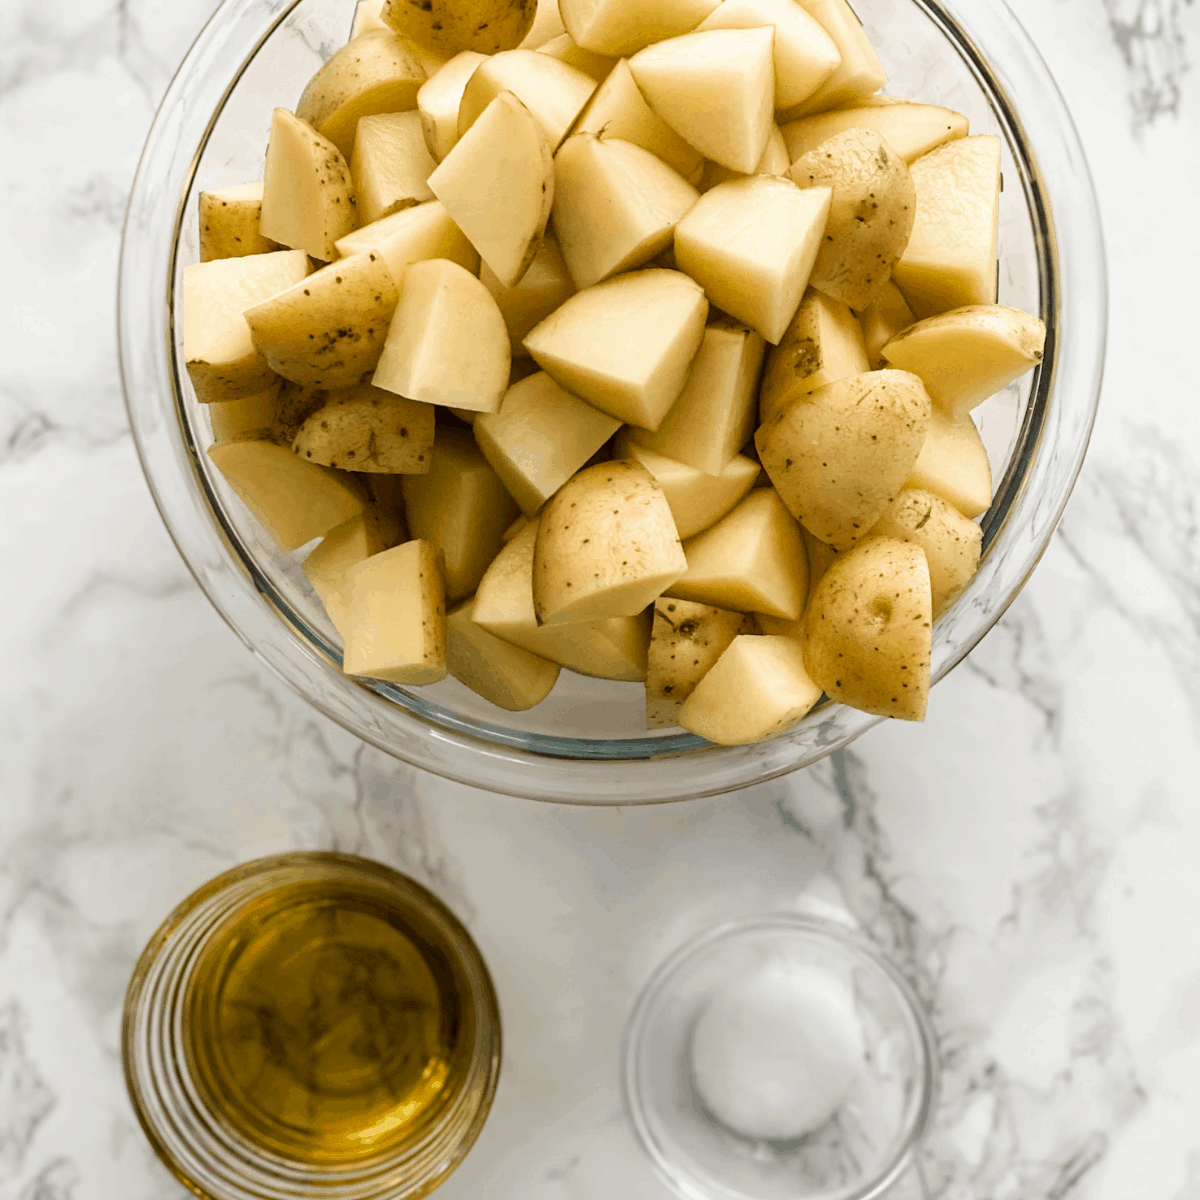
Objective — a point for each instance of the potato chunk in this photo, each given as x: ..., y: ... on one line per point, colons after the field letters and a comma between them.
x: 621, y: 27
x: 910, y: 128
x: 391, y: 165
x: 250, y: 419
x: 858, y: 74
x: 758, y: 689
x: 870, y: 218
x: 869, y: 628
x: 448, y: 27
x: 606, y: 546
x: 685, y: 640
x: 413, y: 235
x: 367, y: 429
x: 751, y: 244
x: 839, y: 456
x: 504, y: 674
x: 395, y: 616
x: 328, y: 330
x: 566, y: 51
x: 230, y: 220
x: 544, y: 286
x: 338, y: 551
x: 439, y: 100
x: 953, y: 464
x: 308, y: 196
x: 881, y: 320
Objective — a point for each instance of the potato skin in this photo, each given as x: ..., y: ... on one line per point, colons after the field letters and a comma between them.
x: 871, y: 216
x: 368, y: 429
x: 447, y: 27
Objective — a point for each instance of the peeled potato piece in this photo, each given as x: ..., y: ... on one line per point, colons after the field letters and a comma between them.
x: 839, y: 456
x: 447, y: 343
x: 697, y: 499
x: 968, y: 354
x: 625, y: 26
x: 544, y: 286
x: 951, y: 542
x: 606, y: 546
x: 611, y: 649
x: 439, y: 100
x: 715, y: 89
x: 753, y: 560
x: 751, y: 244
x: 461, y: 507
x: 293, y: 500
x: 498, y: 185
x: 367, y: 429
x: 858, y: 74
x: 869, y: 628
x: 391, y: 165
x: 909, y: 127
x: 881, y: 320
x: 758, y: 689
x: 541, y: 436
x: 823, y: 344
x: 367, y: 18
x: 615, y: 206
x: 547, y: 24
x: 413, y: 235
x: 328, y: 330
x: 805, y: 55
x: 625, y: 345
x: 950, y: 260
x: 686, y: 639
x: 448, y: 27
x: 395, y: 616
x: 774, y: 161
x: 250, y: 419
x: 338, y: 551
x: 953, y: 464
x: 230, y: 221
x: 308, y: 197
x: 618, y: 109
x: 504, y: 674
x: 870, y: 217
x: 222, y: 359
x: 566, y: 51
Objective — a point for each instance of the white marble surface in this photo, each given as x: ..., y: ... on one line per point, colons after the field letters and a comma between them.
x: 1029, y: 854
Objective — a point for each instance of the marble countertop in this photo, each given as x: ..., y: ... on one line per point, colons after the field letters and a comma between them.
x: 1029, y: 855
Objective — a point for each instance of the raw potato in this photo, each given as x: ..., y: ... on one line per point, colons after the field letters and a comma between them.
x: 715, y: 89
x: 685, y: 640
x: 839, y: 456
x: 308, y: 197
x: 622, y: 27
x: 606, y: 546
x: 968, y: 354
x: 953, y: 464
x: 448, y: 27
x: 950, y: 260
x: 504, y: 674
x: 293, y: 500
x: 447, y: 343
x: 774, y: 161
x: 858, y: 74
x: 391, y: 165
x: 823, y: 344
x: 805, y: 55
x: 869, y: 628
x: 714, y: 417
x: 544, y: 286
x: 395, y: 616
x: 540, y: 437
x: 751, y: 561
x: 384, y: 513
x: 951, y: 542
x: 870, y: 219
x: 758, y: 689
x: 413, y: 235
x: 439, y: 100
x: 751, y: 244
x: 554, y: 92
x: 229, y: 223
x: 374, y: 73
x: 625, y: 345
x: 367, y: 17
x: 882, y: 319
x: 615, y: 206
x: 461, y: 507
x: 250, y: 419
x: 619, y: 110
x: 697, y: 499
x: 222, y: 359
x: 367, y: 429
x: 547, y: 24
x: 328, y: 330
x: 909, y: 127
x: 338, y: 551
x: 612, y: 649
x: 498, y: 185
x: 566, y: 51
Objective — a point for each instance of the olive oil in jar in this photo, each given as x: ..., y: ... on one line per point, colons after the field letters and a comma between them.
x: 324, y: 1022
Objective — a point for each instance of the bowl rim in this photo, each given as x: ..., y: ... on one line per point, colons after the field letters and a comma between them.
x: 648, y: 769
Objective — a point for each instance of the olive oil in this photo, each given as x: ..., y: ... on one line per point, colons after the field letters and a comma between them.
x: 326, y: 1022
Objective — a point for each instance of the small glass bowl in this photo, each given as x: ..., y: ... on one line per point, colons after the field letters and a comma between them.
x: 587, y: 742
x: 868, y: 1142
x: 212, y: 1156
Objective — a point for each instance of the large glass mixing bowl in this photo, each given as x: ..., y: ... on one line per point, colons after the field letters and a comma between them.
x: 587, y: 742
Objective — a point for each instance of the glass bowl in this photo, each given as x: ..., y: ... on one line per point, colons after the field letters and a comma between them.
x: 586, y: 743
x: 868, y: 1139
